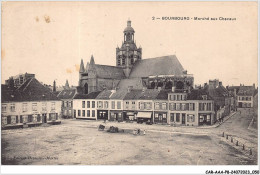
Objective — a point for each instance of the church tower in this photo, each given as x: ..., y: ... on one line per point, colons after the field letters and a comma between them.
x: 128, y: 54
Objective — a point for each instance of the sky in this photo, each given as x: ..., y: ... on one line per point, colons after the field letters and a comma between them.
x: 49, y: 39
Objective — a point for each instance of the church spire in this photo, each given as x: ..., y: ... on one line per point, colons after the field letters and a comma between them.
x: 81, y: 70
x: 92, y: 61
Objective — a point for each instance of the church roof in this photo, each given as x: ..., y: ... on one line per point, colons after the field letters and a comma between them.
x: 165, y: 65
x: 136, y: 83
x: 111, y: 72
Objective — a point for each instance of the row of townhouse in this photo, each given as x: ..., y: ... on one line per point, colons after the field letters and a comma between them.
x: 30, y: 104
x: 192, y: 108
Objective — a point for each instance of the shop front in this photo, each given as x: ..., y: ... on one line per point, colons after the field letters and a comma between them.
x: 102, y: 114
x: 130, y: 116
x: 205, y: 119
x: 116, y: 116
x: 160, y: 117
x: 144, y: 117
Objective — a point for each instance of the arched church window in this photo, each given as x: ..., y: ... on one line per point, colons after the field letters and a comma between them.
x: 118, y: 62
x: 168, y: 85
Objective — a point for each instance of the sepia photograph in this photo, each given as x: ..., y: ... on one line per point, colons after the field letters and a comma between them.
x: 130, y: 83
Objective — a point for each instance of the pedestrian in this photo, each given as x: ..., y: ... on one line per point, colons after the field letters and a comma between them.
x: 144, y: 131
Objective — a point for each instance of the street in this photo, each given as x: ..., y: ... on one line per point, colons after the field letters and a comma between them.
x: 79, y: 142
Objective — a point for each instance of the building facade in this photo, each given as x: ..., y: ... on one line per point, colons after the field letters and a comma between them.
x: 31, y: 104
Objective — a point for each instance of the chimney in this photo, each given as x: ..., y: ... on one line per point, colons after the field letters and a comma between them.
x: 54, y: 86
x: 220, y: 83
x: 254, y: 85
x: 129, y: 89
x: 173, y: 89
x: 205, y: 84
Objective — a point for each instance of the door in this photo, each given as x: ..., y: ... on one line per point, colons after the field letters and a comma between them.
x: 44, y: 118
x: 160, y: 118
x: 183, y: 119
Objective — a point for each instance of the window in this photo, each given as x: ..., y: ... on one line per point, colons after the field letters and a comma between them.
x: 118, y: 62
x: 4, y: 107
x: 123, y: 61
x: 88, y: 104
x: 79, y: 113
x: 204, y: 97
x: 192, y: 107
x: 88, y: 113
x: 178, y: 117
x: 13, y: 119
x: 100, y: 104
x: 70, y: 103
x: 83, y: 104
x: 12, y: 107
x: 178, y: 97
x: 25, y: 119
x: 113, y: 104
x: 44, y: 106
x: 201, y: 118
x: 65, y: 113
x: 156, y: 116
x: 119, y: 105
x: 4, y: 120
x: 208, y: 106
x: 93, y: 113
x: 186, y: 106
x: 34, y: 106
x: 249, y: 98
x: 106, y: 104
x: 127, y: 104
x: 190, y: 118
x: 52, y: 105
x: 183, y: 106
x: 174, y: 97
x: 133, y: 105
x: 30, y: 118
x: 208, y: 118
x: 148, y: 105
x: 157, y: 106
x: 141, y: 105
x: 178, y: 106
x: 69, y: 112
x: 93, y: 104
x: 164, y: 106
x: 201, y: 106
x: 83, y: 113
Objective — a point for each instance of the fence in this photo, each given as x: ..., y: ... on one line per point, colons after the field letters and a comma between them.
x: 238, y: 144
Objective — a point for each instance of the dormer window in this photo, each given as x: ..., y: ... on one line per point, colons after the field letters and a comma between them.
x: 204, y: 97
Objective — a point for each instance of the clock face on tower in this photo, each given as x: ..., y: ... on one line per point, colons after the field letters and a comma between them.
x: 128, y: 37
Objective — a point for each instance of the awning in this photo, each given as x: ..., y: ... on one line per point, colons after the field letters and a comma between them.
x: 144, y: 115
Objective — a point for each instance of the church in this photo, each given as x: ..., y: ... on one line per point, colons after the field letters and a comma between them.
x: 133, y: 71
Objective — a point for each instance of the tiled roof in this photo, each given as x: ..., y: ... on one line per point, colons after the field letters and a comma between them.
x: 163, y: 95
x: 119, y: 94
x: 91, y: 95
x: 196, y: 94
x: 134, y: 94
x: 149, y: 94
x: 104, y: 94
x: 220, y: 91
x: 166, y: 65
x: 246, y: 90
x: 67, y: 94
x: 111, y: 72
x: 31, y: 90
x: 136, y: 83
